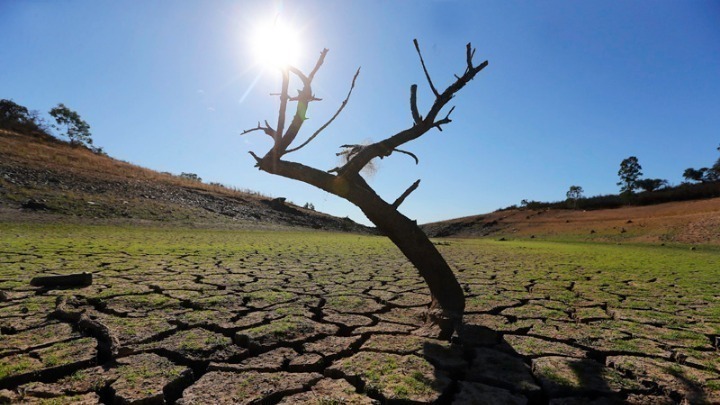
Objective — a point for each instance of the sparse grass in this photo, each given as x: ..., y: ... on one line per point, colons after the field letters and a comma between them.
x: 19, y: 364
x: 645, y: 299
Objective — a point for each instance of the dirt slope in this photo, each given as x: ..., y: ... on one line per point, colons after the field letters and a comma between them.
x: 696, y: 222
x: 42, y: 178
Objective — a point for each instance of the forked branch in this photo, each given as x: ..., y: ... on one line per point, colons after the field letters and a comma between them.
x: 267, y: 129
x: 322, y: 128
x: 438, y: 124
x: 421, y: 125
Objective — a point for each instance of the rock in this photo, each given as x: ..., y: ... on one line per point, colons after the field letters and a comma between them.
x: 35, y: 205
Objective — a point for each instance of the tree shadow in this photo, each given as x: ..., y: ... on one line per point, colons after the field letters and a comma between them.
x: 487, y: 369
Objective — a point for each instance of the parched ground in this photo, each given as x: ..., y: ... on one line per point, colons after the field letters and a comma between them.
x: 202, y: 316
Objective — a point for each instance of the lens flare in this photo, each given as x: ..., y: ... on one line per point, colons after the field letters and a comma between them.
x: 276, y: 45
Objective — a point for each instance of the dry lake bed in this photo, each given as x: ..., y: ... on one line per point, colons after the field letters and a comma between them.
x: 198, y: 316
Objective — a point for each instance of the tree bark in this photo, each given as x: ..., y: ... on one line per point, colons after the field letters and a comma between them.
x: 63, y: 281
x: 447, y: 297
x: 448, y: 301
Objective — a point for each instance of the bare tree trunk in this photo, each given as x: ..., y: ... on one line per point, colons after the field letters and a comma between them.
x: 448, y: 301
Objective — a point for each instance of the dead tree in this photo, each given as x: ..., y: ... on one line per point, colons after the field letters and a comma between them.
x: 448, y: 301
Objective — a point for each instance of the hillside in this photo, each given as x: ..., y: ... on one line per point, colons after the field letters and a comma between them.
x: 695, y: 222
x: 43, y: 178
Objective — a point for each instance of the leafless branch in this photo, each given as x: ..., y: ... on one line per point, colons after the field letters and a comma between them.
x: 319, y: 63
x: 413, y: 104
x: 390, y: 144
x: 412, y: 155
x: 470, y: 53
x: 304, y: 98
x: 427, y: 75
x: 350, y: 151
x: 299, y: 97
x: 342, y: 106
x: 283, y: 107
x: 446, y: 120
x: 404, y: 195
x: 257, y: 159
x: 267, y: 129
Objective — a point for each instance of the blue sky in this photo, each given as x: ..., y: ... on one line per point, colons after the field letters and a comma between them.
x: 572, y: 89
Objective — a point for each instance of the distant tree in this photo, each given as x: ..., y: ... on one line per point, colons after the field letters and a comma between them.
x: 630, y: 171
x: 574, y: 194
x: 69, y: 121
x: 15, y: 117
x: 714, y: 171
x: 309, y: 206
x: 191, y: 176
x: 651, y: 184
x: 696, y: 175
x: 704, y: 174
x: 524, y: 203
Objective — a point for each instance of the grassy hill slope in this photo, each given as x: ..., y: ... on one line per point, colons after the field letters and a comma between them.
x: 695, y: 222
x: 44, y: 178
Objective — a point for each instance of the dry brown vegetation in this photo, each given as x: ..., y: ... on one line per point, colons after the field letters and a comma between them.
x: 43, y: 174
x: 693, y: 222
x: 43, y: 152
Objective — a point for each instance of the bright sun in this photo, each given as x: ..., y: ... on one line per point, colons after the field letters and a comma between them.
x: 276, y: 45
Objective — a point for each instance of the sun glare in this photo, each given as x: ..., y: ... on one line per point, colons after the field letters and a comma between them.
x: 276, y: 45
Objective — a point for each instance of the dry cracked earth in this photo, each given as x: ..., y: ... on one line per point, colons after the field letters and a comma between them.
x: 322, y: 325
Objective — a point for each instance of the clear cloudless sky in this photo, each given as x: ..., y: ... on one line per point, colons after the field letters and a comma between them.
x: 573, y: 88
